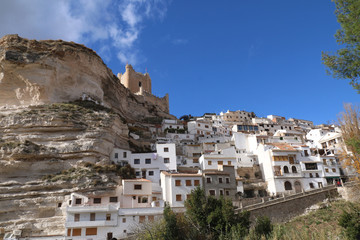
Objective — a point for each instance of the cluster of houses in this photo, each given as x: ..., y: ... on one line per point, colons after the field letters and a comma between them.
x: 234, y: 155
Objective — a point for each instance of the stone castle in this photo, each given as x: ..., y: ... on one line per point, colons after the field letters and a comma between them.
x: 140, y: 85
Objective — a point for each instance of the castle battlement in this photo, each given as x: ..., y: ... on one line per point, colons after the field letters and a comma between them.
x: 140, y: 85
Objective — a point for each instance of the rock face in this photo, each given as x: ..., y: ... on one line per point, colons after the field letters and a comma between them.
x: 42, y: 72
x: 59, y: 105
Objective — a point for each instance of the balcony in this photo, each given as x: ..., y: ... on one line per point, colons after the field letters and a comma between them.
x: 96, y: 223
x: 94, y: 208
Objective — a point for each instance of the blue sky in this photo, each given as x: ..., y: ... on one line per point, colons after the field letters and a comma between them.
x: 210, y: 56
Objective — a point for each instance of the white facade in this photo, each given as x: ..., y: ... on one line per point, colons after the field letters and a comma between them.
x: 176, y: 187
x: 218, y: 158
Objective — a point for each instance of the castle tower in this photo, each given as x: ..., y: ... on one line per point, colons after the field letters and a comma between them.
x: 134, y: 81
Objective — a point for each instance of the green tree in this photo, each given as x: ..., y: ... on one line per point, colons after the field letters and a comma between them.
x: 215, y: 218
x: 172, y: 231
x: 126, y: 172
x: 345, y: 64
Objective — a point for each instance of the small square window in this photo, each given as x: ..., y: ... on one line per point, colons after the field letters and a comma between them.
x: 116, y: 155
x: 212, y: 192
x: 188, y: 182
x: 97, y: 200
x: 177, y: 182
x: 151, y: 173
x: 124, y: 220
x: 209, y: 162
x: 220, y: 180
x: 196, y: 182
x: 166, y: 149
x: 137, y: 173
x: 137, y: 187
x: 108, y: 217
x: 78, y: 201
x: 221, y: 192
x: 148, y: 161
x: 227, y: 193
x: 113, y: 199
x: 124, y: 154
x: 166, y: 160
x: 178, y: 197
x: 208, y: 180
x: 136, y: 161
x: 227, y: 180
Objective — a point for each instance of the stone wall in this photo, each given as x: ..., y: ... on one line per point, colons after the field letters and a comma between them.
x: 284, y: 209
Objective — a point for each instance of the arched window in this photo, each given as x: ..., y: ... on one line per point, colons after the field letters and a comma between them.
x: 287, y: 185
x: 286, y: 169
x: 293, y: 169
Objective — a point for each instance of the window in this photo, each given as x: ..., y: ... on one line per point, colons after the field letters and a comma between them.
x: 291, y: 160
x: 59, y: 205
x: 150, y: 218
x: 326, y: 170
x: 92, y: 216
x: 311, y: 185
x: 334, y: 170
x: 178, y: 197
x: 166, y: 160
x: 124, y: 154
x: 116, y: 155
x: 151, y: 173
x: 139, y: 84
x: 227, y: 193
x: 188, y: 196
x: 212, y: 192
x: 311, y: 166
x: 76, y: 232
x: 188, y: 182
x: 220, y: 163
x: 166, y: 149
x: 229, y: 163
x: 124, y: 220
x: 108, y: 217
x: 69, y: 232
x: 209, y: 162
x: 197, y: 183
x: 148, y: 161
x: 227, y: 180
x: 306, y: 153
x: 137, y: 173
x: 310, y: 175
x: 221, y: 192
x: 113, y: 199
x: 141, y: 219
x: 97, y: 200
x: 208, y: 180
x: 78, y: 201
x: 286, y: 169
x: 287, y: 185
x: 136, y: 161
x: 293, y: 169
x: 177, y: 182
x: 317, y: 175
x: 76, y: 217
x: 91, y: 231
x: 220, y: 180
x: 137, y: 187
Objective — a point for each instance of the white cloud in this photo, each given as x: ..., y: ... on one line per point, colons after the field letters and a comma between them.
x: 116, y: 24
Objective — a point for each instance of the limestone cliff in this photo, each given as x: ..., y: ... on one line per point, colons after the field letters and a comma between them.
x: 59, y: 106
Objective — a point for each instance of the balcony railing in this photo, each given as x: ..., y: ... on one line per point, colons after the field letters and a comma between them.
x: 96, y: 223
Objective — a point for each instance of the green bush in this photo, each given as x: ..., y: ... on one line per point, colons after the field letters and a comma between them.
x: 263, y: 226
x: 350, y: 221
